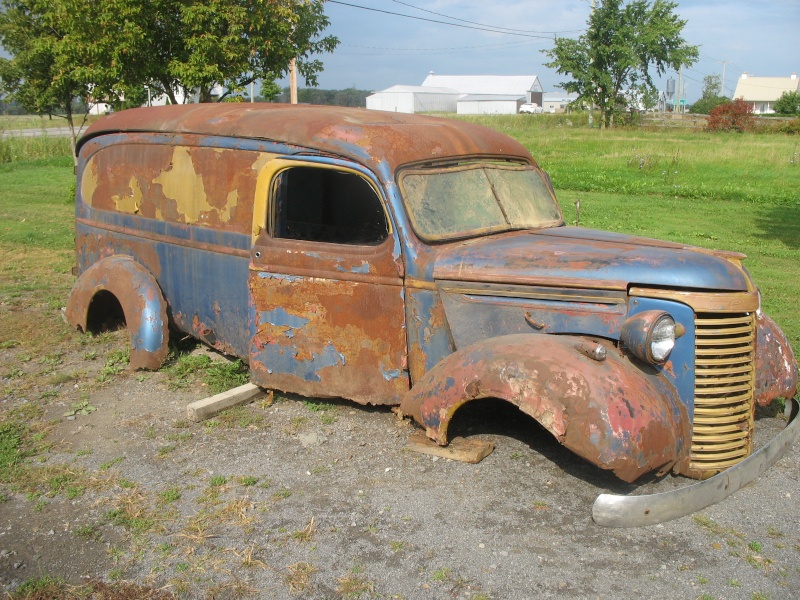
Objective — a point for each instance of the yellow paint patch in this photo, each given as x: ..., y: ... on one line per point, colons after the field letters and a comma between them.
x: 89, y: 182
x: 181, y: 183
x: 232, y: 200
x: 129, y: 204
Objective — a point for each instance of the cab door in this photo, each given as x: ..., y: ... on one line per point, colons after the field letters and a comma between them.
x: 326, y: 283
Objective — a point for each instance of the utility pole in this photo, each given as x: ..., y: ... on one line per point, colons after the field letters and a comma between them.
x: 591, y: 104
x: 293, y: 81
x: 680, y: 89
x: 292, y: 74
x: 724, y: 62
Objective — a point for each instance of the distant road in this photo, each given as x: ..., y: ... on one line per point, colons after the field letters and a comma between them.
x: 49, y: 131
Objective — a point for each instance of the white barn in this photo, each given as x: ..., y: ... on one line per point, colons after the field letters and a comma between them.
x: 465, y: 94
x: 489, y: 105
x: 414, y: 99
x: 525, y: 88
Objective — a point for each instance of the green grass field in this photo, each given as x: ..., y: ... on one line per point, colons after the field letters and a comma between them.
x: 725, y: 191
x: 36, y: 251
x: 12, y: 122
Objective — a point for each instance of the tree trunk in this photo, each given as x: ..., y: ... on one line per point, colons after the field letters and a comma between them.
x: 168, y: 91
x: 73, y: 135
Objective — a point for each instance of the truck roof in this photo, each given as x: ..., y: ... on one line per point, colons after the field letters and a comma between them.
x: 367, y: 136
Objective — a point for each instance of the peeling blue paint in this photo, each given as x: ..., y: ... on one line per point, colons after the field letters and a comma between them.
x: 285, y: 360
x: 280, y: 318
x: 363, y: 268
x: 389, y: 374
x: 149, y: 336
x: 435, y: 341
x: 280, y: 277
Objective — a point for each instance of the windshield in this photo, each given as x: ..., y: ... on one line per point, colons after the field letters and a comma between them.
x: 477, y: 198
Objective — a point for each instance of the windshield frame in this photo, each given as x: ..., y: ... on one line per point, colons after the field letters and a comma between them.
x: 471, y: 164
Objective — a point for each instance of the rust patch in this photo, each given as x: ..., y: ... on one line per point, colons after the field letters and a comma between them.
x: 776, y: 367
x: 328, y: 338
x: 92, y: 248
x: 212, y: 187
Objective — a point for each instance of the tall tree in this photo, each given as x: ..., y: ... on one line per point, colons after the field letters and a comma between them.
x: 43, y: 74
x: 712, y: 86
x: 610, y: 64
x: 211, y: 48
x: 181, y: 48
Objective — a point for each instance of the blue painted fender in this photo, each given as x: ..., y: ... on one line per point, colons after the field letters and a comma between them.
x: 141, y: 300
x: 618, y: 415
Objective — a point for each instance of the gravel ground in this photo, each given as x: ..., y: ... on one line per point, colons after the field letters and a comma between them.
x: 323, y: 500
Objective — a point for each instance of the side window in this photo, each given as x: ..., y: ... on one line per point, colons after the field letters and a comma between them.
x: 325, y: 205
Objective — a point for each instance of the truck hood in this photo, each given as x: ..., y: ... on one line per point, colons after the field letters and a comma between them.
x: 573, y: 256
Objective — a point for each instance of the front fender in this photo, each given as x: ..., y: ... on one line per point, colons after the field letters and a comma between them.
x: 776, y: 367
x: 615, y: 414
x: 140, y: 298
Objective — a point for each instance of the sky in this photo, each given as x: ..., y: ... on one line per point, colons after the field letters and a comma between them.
x: 378, y: 50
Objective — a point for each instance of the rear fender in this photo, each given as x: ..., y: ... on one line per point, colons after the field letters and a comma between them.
x: 617, y: 415
x: 141, y: 300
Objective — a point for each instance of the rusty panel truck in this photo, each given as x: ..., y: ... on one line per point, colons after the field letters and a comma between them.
x: 399, y: 259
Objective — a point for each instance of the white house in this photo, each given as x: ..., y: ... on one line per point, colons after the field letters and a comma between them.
x: 414, y: 99
x: 762, y: 92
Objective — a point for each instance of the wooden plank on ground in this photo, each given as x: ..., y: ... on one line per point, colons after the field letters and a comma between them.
x: 470, y: 451
x: 213, y: 405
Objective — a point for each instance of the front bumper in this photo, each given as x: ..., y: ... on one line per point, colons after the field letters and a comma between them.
x: 611, y: 510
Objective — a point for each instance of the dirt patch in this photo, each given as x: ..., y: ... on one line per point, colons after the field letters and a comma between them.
x: 323, y: 500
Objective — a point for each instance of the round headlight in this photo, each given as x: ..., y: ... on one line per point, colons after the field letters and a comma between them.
x: 662, y: 338
x: 650, y: 335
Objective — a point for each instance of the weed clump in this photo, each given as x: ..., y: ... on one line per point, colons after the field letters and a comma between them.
x: 218, y: 376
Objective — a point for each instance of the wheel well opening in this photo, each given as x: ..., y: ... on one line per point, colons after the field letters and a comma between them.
x: 525, y: 438
x: 105, y: 313
x: 513, y: 432
x: 493, y: 416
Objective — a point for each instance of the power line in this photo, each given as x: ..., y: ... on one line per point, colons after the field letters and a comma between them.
x: 509, y: 29
x: 418, y: 49
x: 377, y: 51
x: 387, y: 12
x: 707, y: 57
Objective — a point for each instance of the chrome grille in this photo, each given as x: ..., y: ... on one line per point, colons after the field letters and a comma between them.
x: 724, y: 392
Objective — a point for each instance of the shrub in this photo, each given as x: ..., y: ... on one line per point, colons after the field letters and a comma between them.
x: 791, y: 126
x: 788, y: 104
x: 733, y: 116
